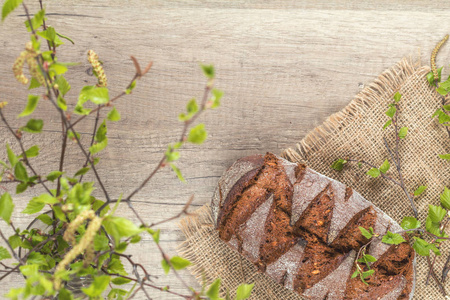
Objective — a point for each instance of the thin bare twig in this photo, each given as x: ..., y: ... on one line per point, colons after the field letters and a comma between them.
x: 97, y: 117
x: 182, y: 212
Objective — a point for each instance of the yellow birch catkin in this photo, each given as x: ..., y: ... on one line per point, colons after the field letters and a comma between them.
x: 18, y: 68
x: 98, y: 69
x: 29, y: 56
x: 69, y: 234
x: 433, y: 57
x: 85, y: 242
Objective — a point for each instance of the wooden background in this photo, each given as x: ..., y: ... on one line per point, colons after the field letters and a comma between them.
x: 284, y: 67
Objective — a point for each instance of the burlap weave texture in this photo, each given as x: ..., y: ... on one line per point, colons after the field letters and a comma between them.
x: 355, y: 132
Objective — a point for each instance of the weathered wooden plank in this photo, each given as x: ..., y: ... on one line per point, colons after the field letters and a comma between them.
x: 284, y: 67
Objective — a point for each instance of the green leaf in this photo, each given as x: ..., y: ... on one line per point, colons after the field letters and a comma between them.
x: 367, y: 273
x: 214, y: 289
x: 119, y: 227
x: 6, y: 207
x: 13, y: 159
x: 420, y: 190
x: 410, y: 223
x: 198, y: 134
x: 172, y: 155
x: 58, y: 68
x: 374, y: 172
x: 46, y: 199
x: 403, y: 132
x: 432, y: 227
x: 116, y: 266
x: 178, y: 172
x: 113, y: 115
x: 14, y: 241
x: 32, y: 152
x: 386, y: 125
x: 4, y: 254
x: 430, y: 77
x: 436, y: 213
x: 97, y: 95
x: 61, y: 102
x: 442, y: 91
x: 215, y: 99
x: 356, y: 273
x: 338, y: 165
x: 45, y: 219
x: 36, y: 21
x: 166, y: 267
x: 445, y: 156
x: 397, y: 97
x: 155, y: 236
x: 98, y: 146
x: 120, y: 280
x: 33, y: 207
x: 243, y: 291
x: 36, y: 258
x: 130, y: 88
x: 9, y: 6
x: 365, y: 233
x: 391, y: 111
x: 20, y: 172
x: 135, y: 239
x: 101, y: 243
x: 97, y: 287
x: 64, y: 294
x: 385, y: 166
x: 192, y: 107
x: 82, y: 171
x: 33, y: 126
x: 179, y: 263
x: 100, y: 135
x: 392, y: 238
x: 53, y: 175
x: 31, y: 105
x: 209, y: 71
x: 63, y: 85
x: 421, y: 247
x: 59, y: 213
x: 369, y: 258
x: 21, y: 187
x: 445, y: 198
x: 34, y: 83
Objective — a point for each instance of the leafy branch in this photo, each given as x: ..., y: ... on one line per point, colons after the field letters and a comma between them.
x: 84, y: 237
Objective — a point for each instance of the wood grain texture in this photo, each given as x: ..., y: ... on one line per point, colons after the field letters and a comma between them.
x: 284, y: 67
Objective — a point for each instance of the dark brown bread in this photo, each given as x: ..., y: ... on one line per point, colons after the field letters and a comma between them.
x: 302, y: 229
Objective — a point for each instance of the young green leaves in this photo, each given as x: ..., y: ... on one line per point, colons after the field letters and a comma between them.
x: 375, y: 172
x: 6, y: 207
x: 31, y: 105
x: 363, y: 275
x: 392, y: 238
x: 177, y: 262
x: 338, y: 165
x: 9, y: 6
x: 410, y: 223
x: 368, y: 234
x: 391, y: 112
x: 100, y: 138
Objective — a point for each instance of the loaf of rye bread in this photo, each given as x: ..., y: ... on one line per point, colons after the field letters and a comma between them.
x: 301, y: 229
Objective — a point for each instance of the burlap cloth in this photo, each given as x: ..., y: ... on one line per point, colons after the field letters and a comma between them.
x: 353, y: 132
